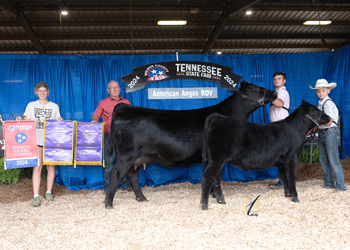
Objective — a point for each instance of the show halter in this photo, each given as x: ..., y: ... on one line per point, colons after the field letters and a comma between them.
x: 260, y: 101
x: 312, y: 119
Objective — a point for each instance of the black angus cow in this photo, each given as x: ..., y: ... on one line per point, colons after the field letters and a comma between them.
x: 141, y: 136
x: 251, y: 146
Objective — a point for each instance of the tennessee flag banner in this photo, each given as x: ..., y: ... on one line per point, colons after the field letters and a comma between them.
x: 58, y: 142
x: 20, y: 144
x: 89, y: 143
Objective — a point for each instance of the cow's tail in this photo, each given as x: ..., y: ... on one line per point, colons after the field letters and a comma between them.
x: 207, y: 124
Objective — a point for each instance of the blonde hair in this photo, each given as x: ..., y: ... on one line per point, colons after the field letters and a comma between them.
x: 39, y: 85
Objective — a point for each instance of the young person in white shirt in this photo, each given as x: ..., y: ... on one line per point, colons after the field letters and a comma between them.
x: 279, y: 108
x: 328, y: 138
x: 38, y: 111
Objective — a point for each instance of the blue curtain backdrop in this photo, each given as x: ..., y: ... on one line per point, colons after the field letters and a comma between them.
x: 78, y: 83
x: 338, y: 71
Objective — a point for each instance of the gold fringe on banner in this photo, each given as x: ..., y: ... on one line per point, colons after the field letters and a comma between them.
x: 87, y: 163
x: 103, y: 143
x: 57, y: 163
x: 44, y: 162
x: 74, y: 141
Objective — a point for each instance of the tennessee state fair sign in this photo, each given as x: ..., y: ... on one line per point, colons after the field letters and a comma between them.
x: 165, y: 71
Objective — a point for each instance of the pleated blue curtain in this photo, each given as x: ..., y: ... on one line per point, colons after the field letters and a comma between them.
x: 78, y: 83
x: 338, y: 71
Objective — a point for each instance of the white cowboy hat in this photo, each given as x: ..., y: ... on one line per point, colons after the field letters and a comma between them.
x: 322, y: 83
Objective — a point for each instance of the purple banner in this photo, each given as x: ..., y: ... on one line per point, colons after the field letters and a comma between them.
x: 89, y: 143
x: 58, y: 142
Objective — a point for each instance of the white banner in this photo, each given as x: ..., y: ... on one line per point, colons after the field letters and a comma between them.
x: 182, y: 93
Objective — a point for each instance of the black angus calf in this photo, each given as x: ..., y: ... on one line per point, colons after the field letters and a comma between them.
x: 171, y: 138
x: 251, y: 146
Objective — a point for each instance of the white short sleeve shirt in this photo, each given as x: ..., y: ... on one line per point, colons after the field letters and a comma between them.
x: 37, y: 112
x: 277, y: 114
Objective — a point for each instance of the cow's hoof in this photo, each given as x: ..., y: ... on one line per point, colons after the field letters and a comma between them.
x: 221, y: 201
x: 205, y: 207
x: 109, y: 206
x: 141, y: 199
x: 295, y: 199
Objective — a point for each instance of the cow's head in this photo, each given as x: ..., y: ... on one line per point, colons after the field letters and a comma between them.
x: 314, y: 114
x: 257, y: 94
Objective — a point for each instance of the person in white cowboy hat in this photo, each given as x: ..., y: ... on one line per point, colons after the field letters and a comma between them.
x: 322, y: 83
x: 328, y: 137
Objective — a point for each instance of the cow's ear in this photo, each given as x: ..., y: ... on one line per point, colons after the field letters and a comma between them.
x: 303, y: 102
x: 243, y: 83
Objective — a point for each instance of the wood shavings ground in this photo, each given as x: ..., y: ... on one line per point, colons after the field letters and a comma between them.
x: 172, y: 219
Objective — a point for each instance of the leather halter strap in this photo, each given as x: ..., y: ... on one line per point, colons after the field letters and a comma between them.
x: 260, y: 101
x: 312, y: 119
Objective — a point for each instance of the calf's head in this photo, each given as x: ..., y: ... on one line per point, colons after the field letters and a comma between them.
x: 256, y: 94
x: 314, y: 114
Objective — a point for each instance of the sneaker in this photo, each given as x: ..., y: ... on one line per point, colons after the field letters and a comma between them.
x: 36, y: 202
x: 49, y: 197
x: 275, y: 187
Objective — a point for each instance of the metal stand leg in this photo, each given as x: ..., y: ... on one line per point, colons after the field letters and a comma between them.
x: 311, y: 147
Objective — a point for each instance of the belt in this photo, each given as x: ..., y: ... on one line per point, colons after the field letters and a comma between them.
x: 325, y: 129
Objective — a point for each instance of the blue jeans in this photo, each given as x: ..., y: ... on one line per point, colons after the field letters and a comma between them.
x: 329, y: 158
x: 280, y: 183
x: 109, y: 164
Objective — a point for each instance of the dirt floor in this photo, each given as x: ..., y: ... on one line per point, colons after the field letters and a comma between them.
x: 22, y: 191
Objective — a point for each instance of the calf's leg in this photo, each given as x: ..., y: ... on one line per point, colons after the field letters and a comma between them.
x: 285, y: 179
x: 208, y: 178
x: 216, y: 190
x: 292, y: 170
x: 133, y: 175
x: 114, y: 182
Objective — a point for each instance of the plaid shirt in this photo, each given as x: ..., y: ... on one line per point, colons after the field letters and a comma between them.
x: 330, y: 109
